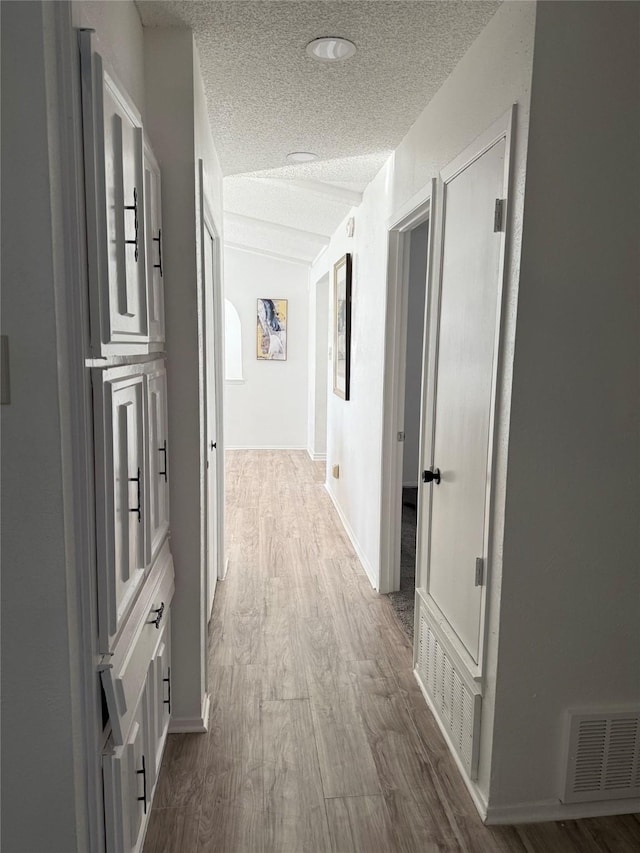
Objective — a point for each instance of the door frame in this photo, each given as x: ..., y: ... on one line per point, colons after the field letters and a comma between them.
x: 502, y: 128
x: 418, y: 210
x: 207, y: 223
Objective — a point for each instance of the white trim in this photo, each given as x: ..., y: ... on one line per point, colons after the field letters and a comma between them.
x: 194, y: 725
x: 395, y: 376
x: 265, y: 447
x: 547, y: 810
x: 352, y: 198
x: 235, y: 381
x: 354, y: 540
x: 276, y: 227
x: 316, y: 457
x: 279, y: 256
x: 72, y: 324
x: 478, y: 799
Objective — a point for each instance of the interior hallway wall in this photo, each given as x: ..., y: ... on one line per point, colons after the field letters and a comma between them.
x: 318, y: 367
x: 418, y: 243
x: 570, y: 624
x: 269, y: 408
x: 178, y: 128
x: 494, y: 74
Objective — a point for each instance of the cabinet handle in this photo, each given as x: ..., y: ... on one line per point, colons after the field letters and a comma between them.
x: 134, y: 207
x: 138, y: 508
x: 158, y: 240
x: 167, y: 681
x: 159, y: 611
x: 143, y: 798
x: 163, y: 449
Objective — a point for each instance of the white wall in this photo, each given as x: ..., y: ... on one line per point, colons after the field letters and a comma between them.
x: 570, y: 619
x: 318, y: 367
x: 494, y: 74
x: 177, y: 126
x: 415, y: 335
x: 118, y: 39
x: 269, y: 409
x: 43, y: 790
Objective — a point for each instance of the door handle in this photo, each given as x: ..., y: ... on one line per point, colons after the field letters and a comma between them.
x: 158, y: 240
x: 431, y: 475
x: 213, y: 445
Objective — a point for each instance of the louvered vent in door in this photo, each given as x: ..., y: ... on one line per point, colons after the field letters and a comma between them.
x: 603, y: 761
x: 456, y: 704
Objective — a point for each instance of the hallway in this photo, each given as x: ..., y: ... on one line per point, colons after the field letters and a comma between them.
x: 319, y: 737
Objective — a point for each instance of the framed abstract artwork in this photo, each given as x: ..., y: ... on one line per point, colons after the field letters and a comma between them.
x: 272, y: 330
x: 342, y: 326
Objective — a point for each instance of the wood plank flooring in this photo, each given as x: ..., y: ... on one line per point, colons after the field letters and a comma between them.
x: 319, y: 738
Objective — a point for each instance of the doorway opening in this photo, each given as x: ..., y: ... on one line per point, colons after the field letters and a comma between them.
x: 407, y: 309
x: 403, y: 599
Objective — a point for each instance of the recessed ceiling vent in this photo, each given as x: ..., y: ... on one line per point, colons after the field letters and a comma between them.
x: 456, y: 703
x: 603, y: 761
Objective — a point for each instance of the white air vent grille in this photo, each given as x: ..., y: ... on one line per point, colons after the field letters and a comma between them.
x: 603, y: 762
x: 457, y: 706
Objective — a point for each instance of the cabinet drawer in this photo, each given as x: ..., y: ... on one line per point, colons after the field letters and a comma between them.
x: 124, y: 673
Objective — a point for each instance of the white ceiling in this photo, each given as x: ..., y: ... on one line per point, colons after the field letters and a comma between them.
x: 267, y: 97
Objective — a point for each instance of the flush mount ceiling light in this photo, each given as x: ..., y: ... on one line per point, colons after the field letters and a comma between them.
x: 331, y: 49
x: 301, y: 157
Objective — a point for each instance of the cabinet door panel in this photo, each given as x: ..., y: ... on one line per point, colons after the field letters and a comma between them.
x: 153, y: 220
x: 127, y: 791
x: 158, y: 460
x: 127, y: 312
x: 120, y: 490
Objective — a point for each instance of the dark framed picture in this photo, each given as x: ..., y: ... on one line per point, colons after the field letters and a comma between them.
x: 342, y: 326
x: 272, y: 330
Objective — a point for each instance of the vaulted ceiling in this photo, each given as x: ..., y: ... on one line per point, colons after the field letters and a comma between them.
x: 266, y: 98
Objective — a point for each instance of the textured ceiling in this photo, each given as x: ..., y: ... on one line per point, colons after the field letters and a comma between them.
x: 266, y: 97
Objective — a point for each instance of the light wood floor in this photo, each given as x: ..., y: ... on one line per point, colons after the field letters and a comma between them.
x: 319, y: 738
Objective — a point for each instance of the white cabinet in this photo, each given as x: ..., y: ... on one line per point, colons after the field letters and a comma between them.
x: 124, y: 249
x: 158, y: 459
x: 136, y: 679
x: 132, y: 485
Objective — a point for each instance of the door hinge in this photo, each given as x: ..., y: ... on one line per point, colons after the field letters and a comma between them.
x: 104, y: 663
x: 400, y: 436
x: 498, y: 215
x: 479, y: 571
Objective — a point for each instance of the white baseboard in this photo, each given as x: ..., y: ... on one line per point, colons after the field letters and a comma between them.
x: 548, y: 810
x: 196, y: 725
x: 354, y: 541
x: 478, y: 800
x: 264, y: 447
x: 316, y: 457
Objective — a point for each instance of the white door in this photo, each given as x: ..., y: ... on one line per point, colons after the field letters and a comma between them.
x: 460, y: 441
x: 209, y: 282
